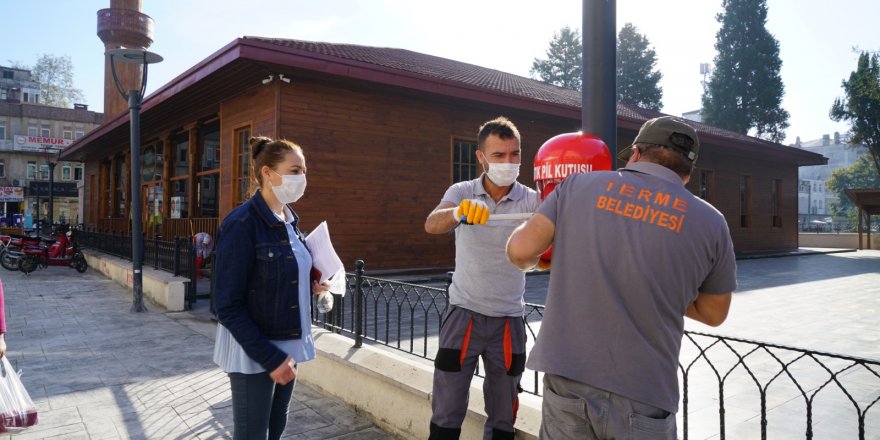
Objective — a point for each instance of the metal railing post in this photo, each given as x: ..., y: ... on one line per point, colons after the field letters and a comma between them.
x: 193, y: 273
x: 156, y: 251
x: 176, y: 256
x: 358, y: 304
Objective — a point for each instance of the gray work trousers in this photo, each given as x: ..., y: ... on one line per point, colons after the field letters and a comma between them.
x: 575, y: 410
x: 464, y: 337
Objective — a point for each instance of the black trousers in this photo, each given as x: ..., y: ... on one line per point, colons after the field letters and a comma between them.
x: 259, y: 406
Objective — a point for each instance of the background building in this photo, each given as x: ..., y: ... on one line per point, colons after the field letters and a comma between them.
x: 31, y: 135
x: 814, y: 199
x: 385, y: 131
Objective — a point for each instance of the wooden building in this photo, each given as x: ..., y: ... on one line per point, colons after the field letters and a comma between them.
x: 385, y: 132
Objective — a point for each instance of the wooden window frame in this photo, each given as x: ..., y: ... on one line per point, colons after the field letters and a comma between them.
x: 776, y: 201
x: 460, y: 163
x: 241, y: 145
x: 707, y: 184
x: 745, y: 201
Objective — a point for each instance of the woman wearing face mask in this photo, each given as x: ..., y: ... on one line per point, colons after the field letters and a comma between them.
x: 262, y: 293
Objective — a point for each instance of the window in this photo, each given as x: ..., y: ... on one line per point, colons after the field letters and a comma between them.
x: 32, y: 128
x: 208, y: 171
x: 464, y: 160
x: 44, y: 171
x: 78, y: 173
x: 179, y: 198
x: 31, y: 169
x: 45, y: 130
x: 706, y: 190
x: 8, y: 74
x: 119, y: 176
x: 32, y: 96
x: 2, y: 129
x: 79, y: 133
x: 106, y: 203
x: 67, y: 133
x: 745, y: 201
x: 93, y: 200
x: 180, y: 150
x: 209, y: 151
x: 180, y: 176
x: 65, y: 171
x: 242, y: 165
x: 776, y: 202
x: 2, y: 168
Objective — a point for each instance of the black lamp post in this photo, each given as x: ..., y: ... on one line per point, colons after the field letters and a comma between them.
x: 51, y: 188
x: 599, y: 74
x: 134, y: 97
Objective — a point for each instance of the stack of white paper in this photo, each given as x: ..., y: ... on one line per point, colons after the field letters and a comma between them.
x: 324, y: 257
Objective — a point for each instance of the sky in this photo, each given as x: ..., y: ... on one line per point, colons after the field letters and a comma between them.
x: 816, y: 38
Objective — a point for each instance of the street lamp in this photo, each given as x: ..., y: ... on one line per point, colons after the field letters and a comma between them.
x: 51, y: 188
x: 134, y: 97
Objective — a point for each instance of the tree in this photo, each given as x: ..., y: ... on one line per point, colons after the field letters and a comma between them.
x: 55, y: 75
x: 861, y: 106
x: 859, y: 175
x: 563, y: 64
x: 745, y: 90
x: 637, y: 81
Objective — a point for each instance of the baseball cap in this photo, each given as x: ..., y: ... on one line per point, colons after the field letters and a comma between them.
x: 670, y: 132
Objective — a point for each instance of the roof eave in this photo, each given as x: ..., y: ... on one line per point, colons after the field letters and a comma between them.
x: 209, y: 65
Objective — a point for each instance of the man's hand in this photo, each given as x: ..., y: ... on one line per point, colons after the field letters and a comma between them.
x: 2, y: 345
x: 472, y: 212
x: 285, y: 372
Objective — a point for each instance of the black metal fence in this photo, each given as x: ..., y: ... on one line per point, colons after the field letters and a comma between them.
x: 730, y: 387
x: 177, y: 256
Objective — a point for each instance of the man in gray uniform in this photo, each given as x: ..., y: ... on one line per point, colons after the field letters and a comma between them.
x: 486, y: 295
x: 634, y: 252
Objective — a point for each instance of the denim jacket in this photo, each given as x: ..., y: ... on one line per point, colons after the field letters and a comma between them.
x: 256, y: 294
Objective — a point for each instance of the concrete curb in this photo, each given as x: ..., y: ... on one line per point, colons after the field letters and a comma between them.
x: 393, y: 390
x: 159, y: 286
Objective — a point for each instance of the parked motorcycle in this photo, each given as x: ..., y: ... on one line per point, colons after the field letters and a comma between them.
x: 63, y: 252
x: 11, y: 249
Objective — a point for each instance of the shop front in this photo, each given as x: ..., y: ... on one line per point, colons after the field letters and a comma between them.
x: 65, y: 203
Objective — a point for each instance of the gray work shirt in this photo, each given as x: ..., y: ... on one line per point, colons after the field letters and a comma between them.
x: 485, y: 281
x: 632, y: 249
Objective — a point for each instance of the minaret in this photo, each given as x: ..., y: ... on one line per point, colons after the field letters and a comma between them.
x: 122, y: 26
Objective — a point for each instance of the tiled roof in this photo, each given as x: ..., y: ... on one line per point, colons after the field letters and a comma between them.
x: 476, y: 76
x: 436, y: 67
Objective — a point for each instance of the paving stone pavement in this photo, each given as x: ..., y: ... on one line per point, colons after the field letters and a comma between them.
x: 97, y: 371
x: 827, y: 302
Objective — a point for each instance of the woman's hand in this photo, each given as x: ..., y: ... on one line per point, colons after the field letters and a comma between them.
x: 317, y: 288
x: 285, y: 372
x: 2, y: 345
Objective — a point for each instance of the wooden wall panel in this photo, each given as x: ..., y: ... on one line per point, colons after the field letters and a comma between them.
x: 256, y: 109
x: 379, y: 162
x: 761, y: 236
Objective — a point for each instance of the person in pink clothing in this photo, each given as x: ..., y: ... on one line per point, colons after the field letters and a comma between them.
x: 2, y: 323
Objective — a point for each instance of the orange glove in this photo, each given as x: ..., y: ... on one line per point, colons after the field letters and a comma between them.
x: 472, y: 212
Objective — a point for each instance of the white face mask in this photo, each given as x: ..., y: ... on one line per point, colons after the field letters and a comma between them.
x: 291, y: 189
x: 502, y: 174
